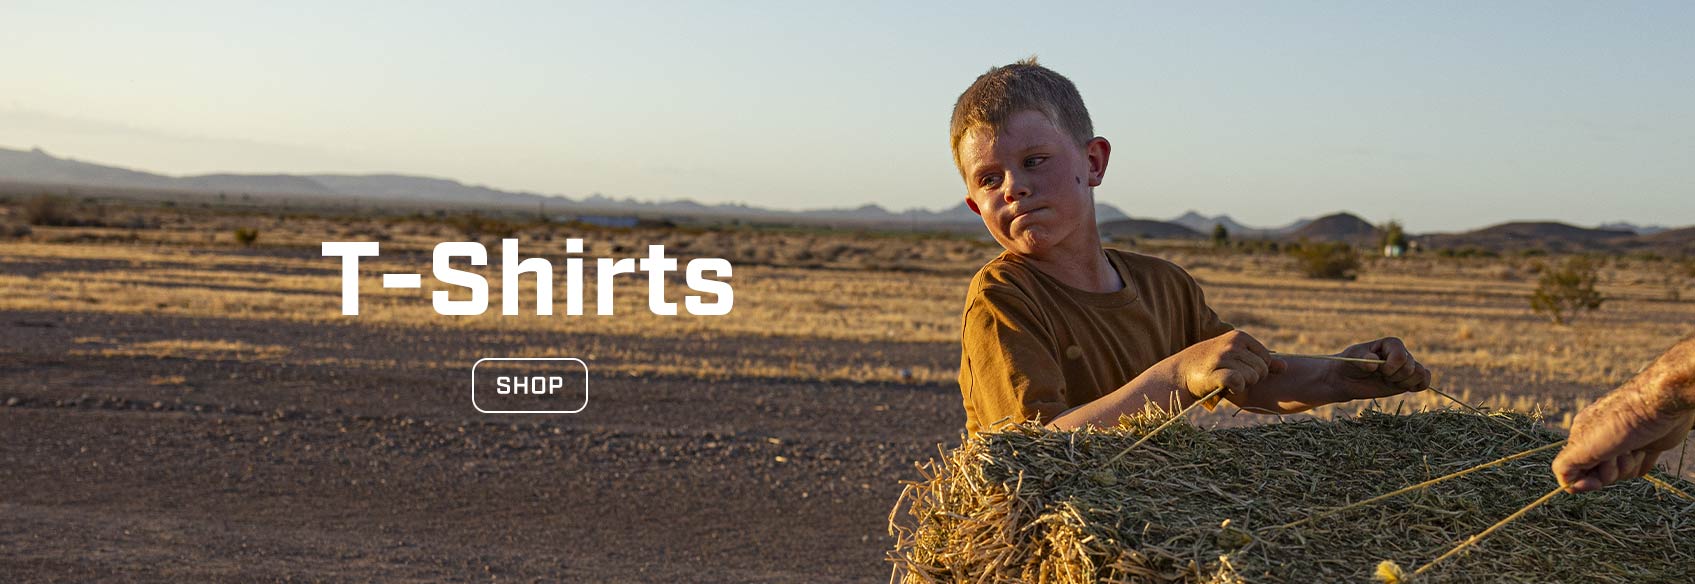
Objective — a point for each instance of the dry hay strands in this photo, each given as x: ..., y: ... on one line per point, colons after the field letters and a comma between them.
x: 1420, y: 486
x: 1391, y: 574
x: 1658, y: 483
x: 1181, y: 414
x: 1190, y: 505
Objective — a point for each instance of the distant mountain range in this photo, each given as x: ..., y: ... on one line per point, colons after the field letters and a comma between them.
x: 1204, y: 224
x: 37, y: 167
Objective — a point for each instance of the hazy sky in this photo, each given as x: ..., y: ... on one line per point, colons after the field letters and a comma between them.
x: 1445, y: 116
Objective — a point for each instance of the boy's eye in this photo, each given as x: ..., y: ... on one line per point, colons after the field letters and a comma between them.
x: 989, y: 180
x: 1034, y: 160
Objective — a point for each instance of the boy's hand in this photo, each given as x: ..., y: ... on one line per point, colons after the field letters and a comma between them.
x: 1400, y: 373
x: 1233, y: 360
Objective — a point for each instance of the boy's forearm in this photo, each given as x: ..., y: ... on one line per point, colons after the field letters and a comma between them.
x: 1157, y: 385
x: 1303, y: 385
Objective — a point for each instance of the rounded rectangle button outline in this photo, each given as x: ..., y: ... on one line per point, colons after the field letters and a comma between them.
x: 579, y: 362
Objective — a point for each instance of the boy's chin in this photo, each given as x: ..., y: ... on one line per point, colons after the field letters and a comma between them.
x: 1032, y: 243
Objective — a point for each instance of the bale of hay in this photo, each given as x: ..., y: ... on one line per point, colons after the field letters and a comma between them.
x: 1194, y: 505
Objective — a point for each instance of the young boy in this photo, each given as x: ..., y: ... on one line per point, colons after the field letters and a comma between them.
x: 1061, y: 330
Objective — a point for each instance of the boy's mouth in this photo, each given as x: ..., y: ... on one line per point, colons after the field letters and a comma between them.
x: 1020, y: 212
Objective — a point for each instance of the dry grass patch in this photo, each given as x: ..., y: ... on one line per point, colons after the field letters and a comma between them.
x: 195, y: 349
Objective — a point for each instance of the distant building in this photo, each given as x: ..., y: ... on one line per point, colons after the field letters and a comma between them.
x: 1394, y: 251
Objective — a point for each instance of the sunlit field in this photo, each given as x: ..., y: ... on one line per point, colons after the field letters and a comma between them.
x: 895, y: 297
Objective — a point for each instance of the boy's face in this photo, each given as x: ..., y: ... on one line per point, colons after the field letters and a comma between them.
x: 1031, y: 183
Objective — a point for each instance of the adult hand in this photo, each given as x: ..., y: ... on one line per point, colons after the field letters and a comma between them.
x: 1620, y: 437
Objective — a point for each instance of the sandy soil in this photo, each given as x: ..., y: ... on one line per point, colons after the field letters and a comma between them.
x: 255, y: 470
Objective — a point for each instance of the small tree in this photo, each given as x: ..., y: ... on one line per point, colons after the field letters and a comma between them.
x: 1394, y: 236
x: 1332, y: 261
x: 1565, y: 290
x: 246, y: 236
x: 1220, y: 235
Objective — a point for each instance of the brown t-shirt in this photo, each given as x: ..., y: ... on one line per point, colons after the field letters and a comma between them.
x: 1035, y: 347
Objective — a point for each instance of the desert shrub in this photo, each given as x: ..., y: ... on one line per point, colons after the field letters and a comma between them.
x: 246, y: 236
x: 1260, y: 246
x: 474, y: 225
x: 48, y: 210
x: 1565, y: 290
x: 835, y: 252
x: 1331, y: 261
x: 1467, y: 252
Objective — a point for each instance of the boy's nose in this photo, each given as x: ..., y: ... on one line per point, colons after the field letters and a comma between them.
x: 1016, y: 187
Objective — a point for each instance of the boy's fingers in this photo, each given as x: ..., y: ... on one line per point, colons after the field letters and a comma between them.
x: 1395, y: 362
x: 1257, y: 348
x: 1403, y: 375
x: 1229, y: 379
x: 1249, y: 362
x: 1367, y: 368
x: 1418, y: 379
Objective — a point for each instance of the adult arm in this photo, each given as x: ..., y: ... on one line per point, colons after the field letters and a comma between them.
x: 1622, y: 435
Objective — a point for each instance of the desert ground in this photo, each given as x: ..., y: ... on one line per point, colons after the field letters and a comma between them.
x: 181, y: 406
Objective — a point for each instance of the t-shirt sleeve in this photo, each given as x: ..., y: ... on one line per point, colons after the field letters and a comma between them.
x: 1204, y: 323
x: 1009, y: 368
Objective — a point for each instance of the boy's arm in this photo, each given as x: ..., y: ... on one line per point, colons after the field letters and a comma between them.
x: 1309, y: 383
x: 1257, y: 381
x: 1233, y: 360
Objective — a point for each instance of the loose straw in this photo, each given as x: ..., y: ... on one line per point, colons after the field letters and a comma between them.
x: 1439, y: 392
x: 1485, y: 533
x: 1662, y: 485
x: 1480, y: 412
x: 1667, y: 487
x: 1425, y: 484
x: 1179, y: 415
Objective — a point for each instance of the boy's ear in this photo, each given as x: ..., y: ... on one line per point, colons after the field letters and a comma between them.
x: 1098, y: 150
x: 973, y: 205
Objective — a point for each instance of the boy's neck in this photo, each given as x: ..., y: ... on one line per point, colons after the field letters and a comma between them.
x: 1084, y: 267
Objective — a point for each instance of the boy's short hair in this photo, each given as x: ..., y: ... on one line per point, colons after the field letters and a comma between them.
x: 1009, y: 89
